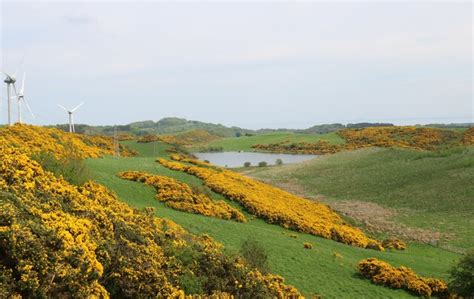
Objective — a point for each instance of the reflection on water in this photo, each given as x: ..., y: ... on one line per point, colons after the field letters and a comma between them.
x: 237, y: 159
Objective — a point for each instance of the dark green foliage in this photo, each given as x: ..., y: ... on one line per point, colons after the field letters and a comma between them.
x: 279, y: 162
x: 247, y: 164
x: 262, y: 164
x: 71, y: 168
x: 462, y: 276
x: 212, y: 149
x: 255, y: 255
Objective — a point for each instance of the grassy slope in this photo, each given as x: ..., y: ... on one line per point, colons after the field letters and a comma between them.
x: 431, y: 190
x: 312, y: 271
x: 245, y: 142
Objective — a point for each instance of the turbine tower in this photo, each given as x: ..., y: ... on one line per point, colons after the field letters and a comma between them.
x: 21, y: 99
x: 10, y: 81
x: 71, y: 118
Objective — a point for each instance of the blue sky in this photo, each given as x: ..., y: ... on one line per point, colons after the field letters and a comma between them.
x: 247, y: 64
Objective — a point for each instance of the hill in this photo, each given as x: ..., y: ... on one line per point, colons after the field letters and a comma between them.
x: 431, y: 191
x: 328, y: 269
x: 169, y: 125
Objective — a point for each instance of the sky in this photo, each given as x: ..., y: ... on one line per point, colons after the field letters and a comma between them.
x: 248, y: 64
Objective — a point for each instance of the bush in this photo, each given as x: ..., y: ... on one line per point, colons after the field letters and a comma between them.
x: 71, y: 167
x: 255, y: 255
x: 279, y: 162
x: 461, y: 279
x: 262, y: 164
x: 307, y: 245
x: 247, y: 164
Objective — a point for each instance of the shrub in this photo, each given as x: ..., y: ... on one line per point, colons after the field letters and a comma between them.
x: 255, y: 255
x: 262, y: 164
x: 279, y: 162
x: 275, y: 205
x: 247, y: 164
x: 394, y: 243
x: 307, y: 245
x: 461, y: 279
x: 383, y: 273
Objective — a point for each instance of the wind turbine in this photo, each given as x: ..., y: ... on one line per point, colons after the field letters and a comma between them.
x: 71, y: 118
x: 21, y: 98
x: 10, y: 81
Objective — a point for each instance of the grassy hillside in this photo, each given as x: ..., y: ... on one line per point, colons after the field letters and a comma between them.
x: 244, y: 143
x: 429, y: 190
x: 327, y: 269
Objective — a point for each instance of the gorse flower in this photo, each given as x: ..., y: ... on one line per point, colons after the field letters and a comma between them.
x: 61, y: 240
x: 180, y: 196
x: 275, y: 205
x: 33, y: 139
x: 381, y: 272
x: 403, y: 137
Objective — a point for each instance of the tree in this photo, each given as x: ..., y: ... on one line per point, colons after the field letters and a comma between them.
x: 462, y: 276
x: 247, y: 164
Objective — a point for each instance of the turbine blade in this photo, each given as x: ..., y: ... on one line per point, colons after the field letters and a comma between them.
x: 29, y: 108
x: 22, y: 90
x: 61, y: 106
x: 77, y: 107
x: 20, y: 66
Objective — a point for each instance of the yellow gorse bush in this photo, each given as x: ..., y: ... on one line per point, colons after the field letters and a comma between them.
x: 275, y: 205
x: 60, y: 240
x: 180, y: 196
x: 383, y: 273
x: 403, y: 137
x: 468, y: 137
x: 34, y: 139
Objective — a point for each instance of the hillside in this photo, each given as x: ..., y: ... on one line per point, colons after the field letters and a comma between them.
x: 328, y: 269
x: 153, y: 227
x: 432, y: 191
x: 58, y: 240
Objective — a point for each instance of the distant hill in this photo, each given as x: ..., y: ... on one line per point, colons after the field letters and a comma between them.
x: 175, y: 125
x: 169, y: 125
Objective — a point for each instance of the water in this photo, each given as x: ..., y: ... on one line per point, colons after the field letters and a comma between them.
x: 237, y: 159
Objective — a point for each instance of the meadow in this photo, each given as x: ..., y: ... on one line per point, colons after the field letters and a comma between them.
x: 329, y: 269
x: 427, y: 190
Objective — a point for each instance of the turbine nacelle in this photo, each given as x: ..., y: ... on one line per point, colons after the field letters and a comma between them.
x: 10, y: 79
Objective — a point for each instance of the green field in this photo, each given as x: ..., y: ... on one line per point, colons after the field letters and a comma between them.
x: 319, y: 270
x: 429, y: 190
x: 244, y: 143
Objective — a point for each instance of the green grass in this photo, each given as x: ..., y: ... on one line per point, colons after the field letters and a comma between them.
x: 431, y: 190
x: 244, y: 143
x: 311, y: 271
